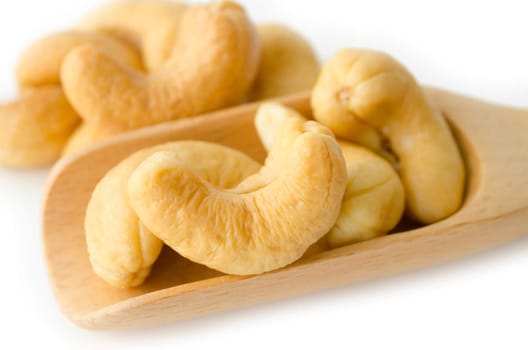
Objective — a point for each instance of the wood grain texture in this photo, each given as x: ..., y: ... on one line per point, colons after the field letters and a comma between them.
x: 494, y: 141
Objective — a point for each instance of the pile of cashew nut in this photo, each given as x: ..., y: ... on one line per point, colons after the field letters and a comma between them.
x: 135, y: 63
x: 376, y: 150
x: 219, y: 208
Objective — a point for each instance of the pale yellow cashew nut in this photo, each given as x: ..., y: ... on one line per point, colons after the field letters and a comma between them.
x: 368, y: 97
x: 151, y: 25
x: 40, y: 64
x: 288, y: 63
x: 121, y: 249
x: 374, y: 198
x: 35, y: 127
x: 213, y: 65
x: 266, y: 222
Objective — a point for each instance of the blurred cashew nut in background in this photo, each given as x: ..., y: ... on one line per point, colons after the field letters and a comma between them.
x: 135, y: 63
x: 213, y: 64
x: 288, y: 63
x: 35, y: 127
x: 151, y: 25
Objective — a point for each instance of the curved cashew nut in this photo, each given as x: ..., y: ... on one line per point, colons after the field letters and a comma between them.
x: 152, y: 26
x: 266, y: 222
x: 287, y: 63
x: 374, y: 198
x: 363, y: 94
x: 40, y: 64
x: 121, y: 249
x: 34, y: 129
x: 213, y: 66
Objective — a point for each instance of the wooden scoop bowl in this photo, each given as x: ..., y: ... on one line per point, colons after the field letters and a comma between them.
x: 494, y: 141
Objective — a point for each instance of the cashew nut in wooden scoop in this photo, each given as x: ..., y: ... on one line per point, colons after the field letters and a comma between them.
x: 213, y: 65
x: 288, y: 63
x: 374, y: 198
x: 34, y: 128
x: 366, y: 96
x: 40, y: 64
x: 37, y: 125
x: 150, y: 25
x: 266, y: 222
x: 121, y: 249
x: 180, y: 290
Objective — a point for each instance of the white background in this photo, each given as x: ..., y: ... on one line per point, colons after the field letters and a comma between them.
x: 474, y: 47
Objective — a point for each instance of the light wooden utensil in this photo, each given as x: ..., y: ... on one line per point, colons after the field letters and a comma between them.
x: 494, y: 141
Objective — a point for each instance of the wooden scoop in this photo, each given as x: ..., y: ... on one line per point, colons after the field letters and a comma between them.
x: 494, y: 141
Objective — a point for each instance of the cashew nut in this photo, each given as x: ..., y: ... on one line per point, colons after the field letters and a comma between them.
x: 213, y: 65
x: 287, y: 63
x: 150, y: 25
x: 121, y: 248
x: 266, y: 222
x: 374, y: 198
x: 40, y: 64
x: 369, y: 98
x: 34, y: 129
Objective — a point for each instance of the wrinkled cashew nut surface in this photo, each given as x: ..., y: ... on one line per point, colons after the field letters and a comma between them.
x: 213, y: 65
x: 266, y: 222
x: 369, y: 98
x: 288, y: 63
x: 374, y: 198
x: 121, y: 249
